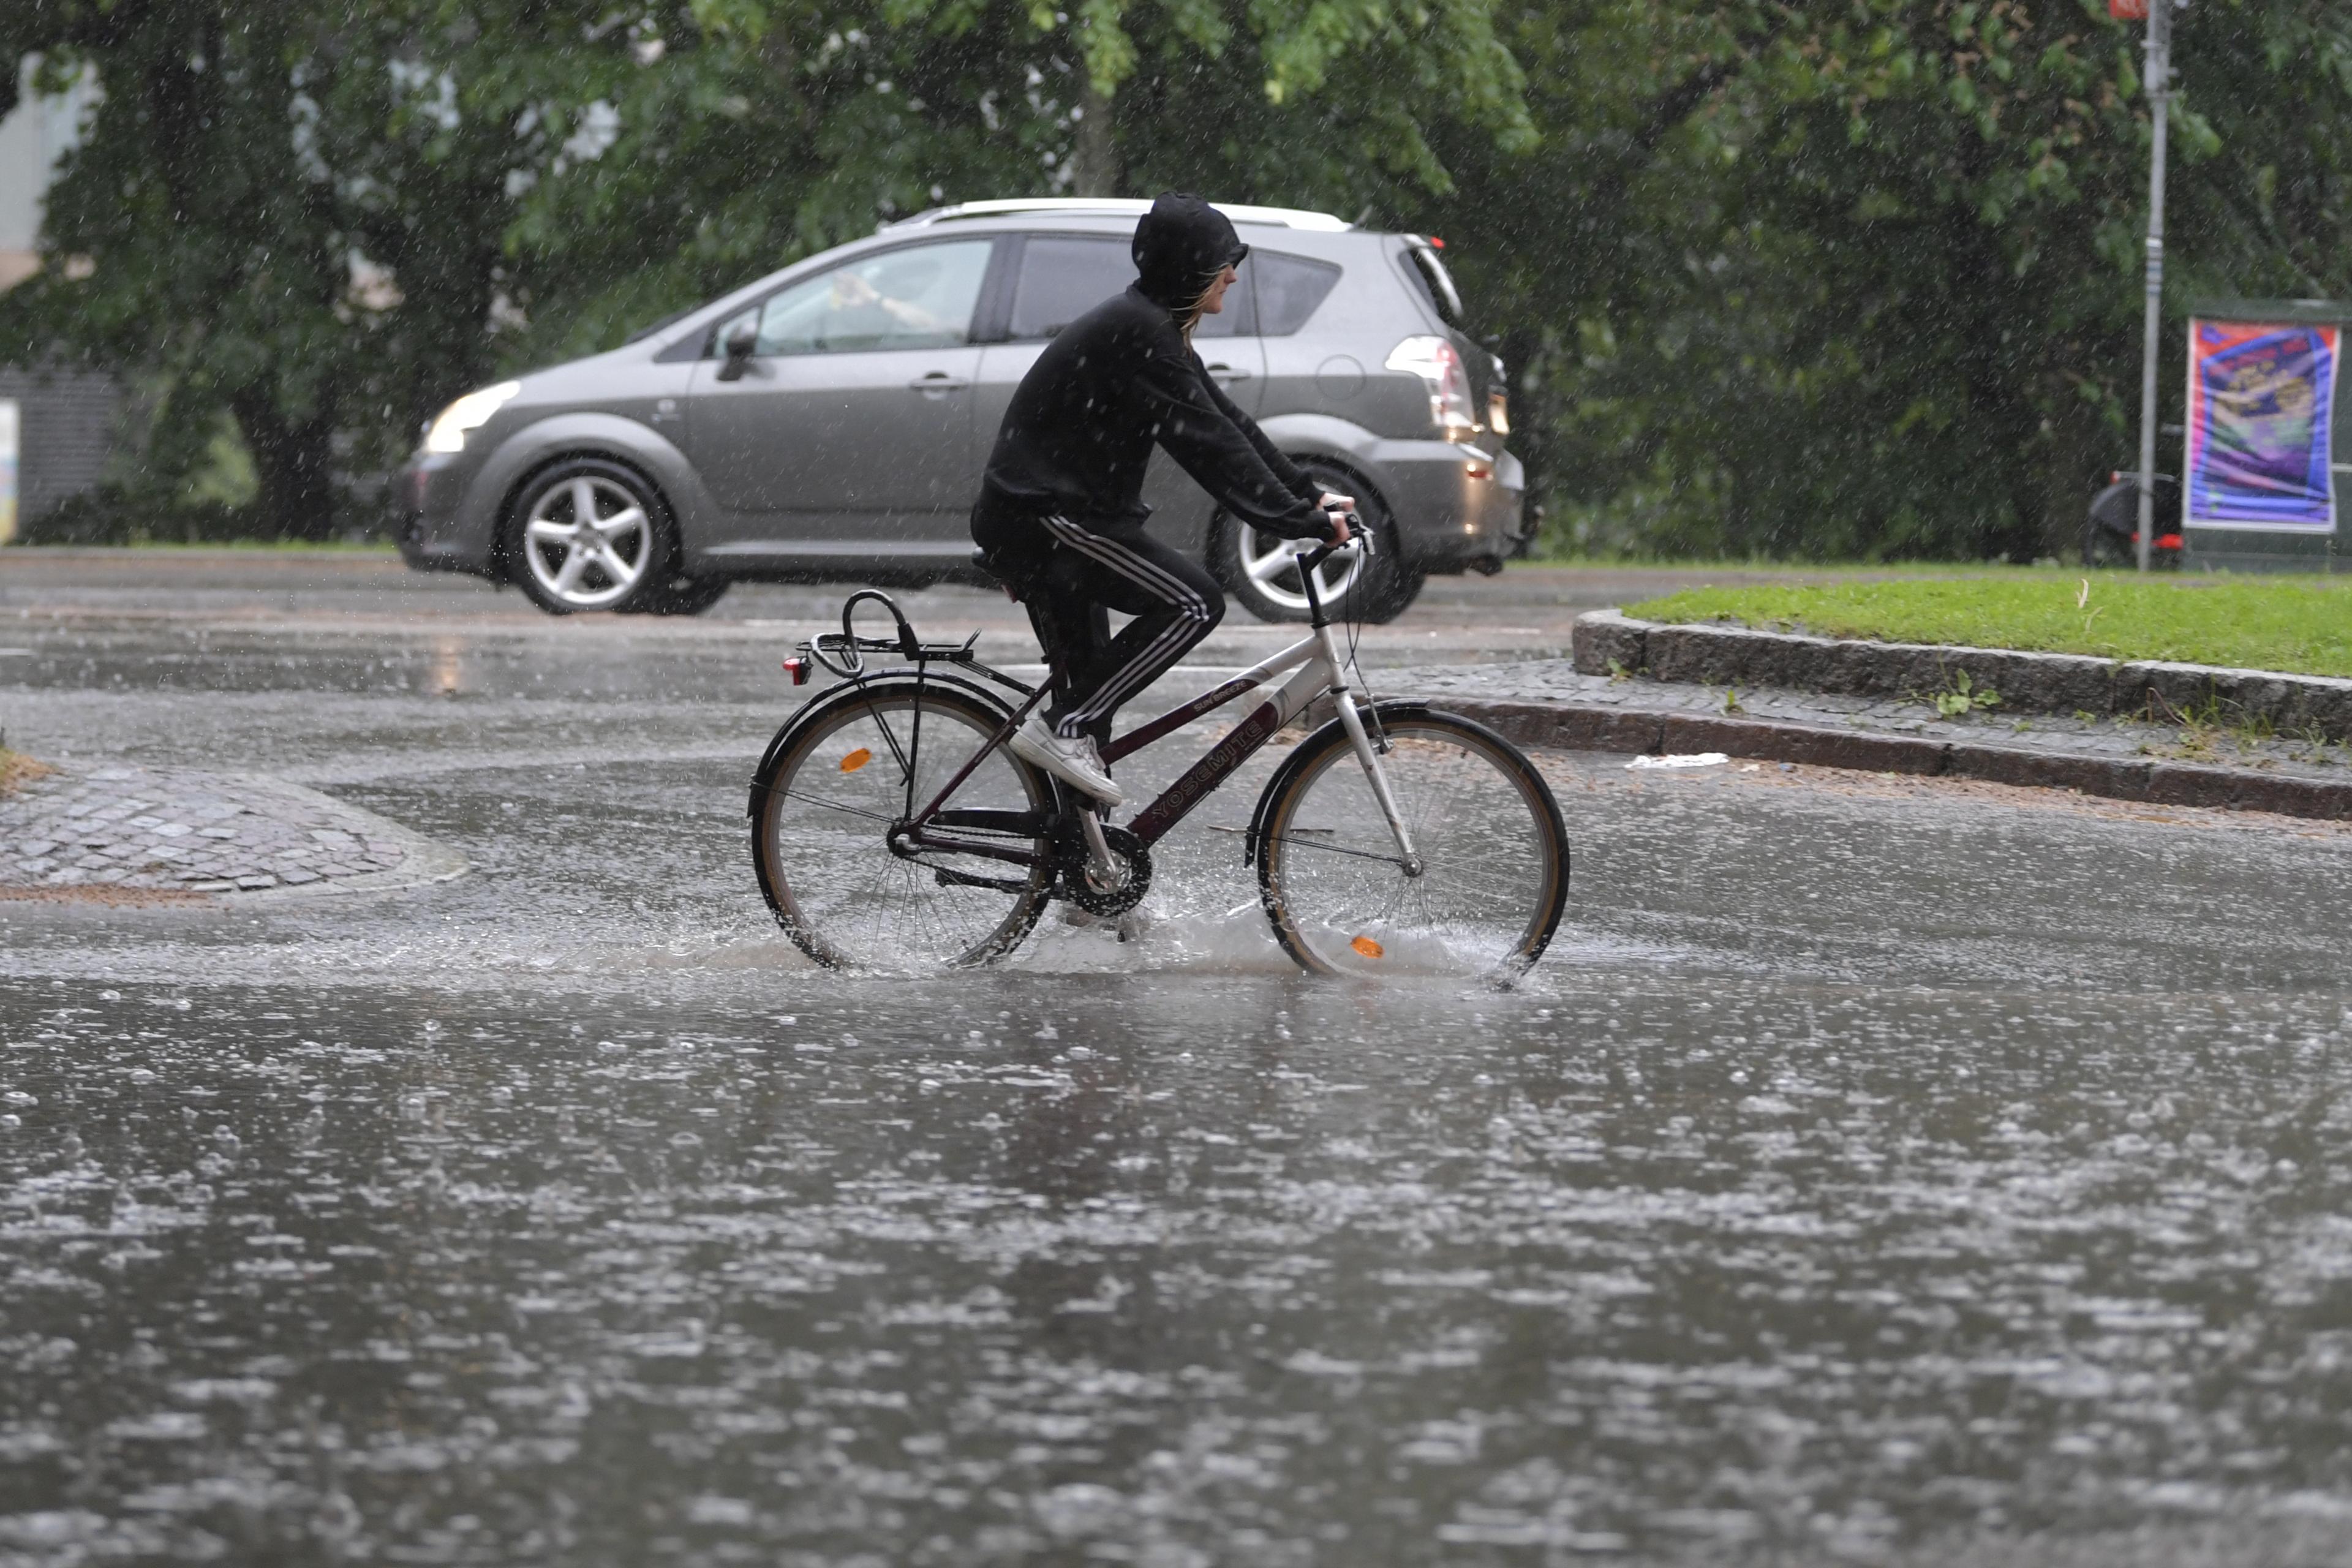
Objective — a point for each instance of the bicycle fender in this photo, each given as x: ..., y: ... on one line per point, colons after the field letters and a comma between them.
x: 853, y: 690
x: 1305, y: 753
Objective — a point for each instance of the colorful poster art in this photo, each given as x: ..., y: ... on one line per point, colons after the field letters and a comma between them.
x: 8, y: 470
x: 2260, y: 402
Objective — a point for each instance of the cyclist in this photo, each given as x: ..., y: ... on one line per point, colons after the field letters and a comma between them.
x: 1060, y: 519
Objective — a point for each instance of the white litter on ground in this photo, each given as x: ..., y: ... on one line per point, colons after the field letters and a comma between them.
x: 1681, y: 760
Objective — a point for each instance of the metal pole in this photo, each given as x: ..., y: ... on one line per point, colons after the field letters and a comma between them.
x: 2159, y: 93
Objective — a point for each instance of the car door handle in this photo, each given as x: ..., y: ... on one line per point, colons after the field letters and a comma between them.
x: 1229, y: 373
x: 938, y: 381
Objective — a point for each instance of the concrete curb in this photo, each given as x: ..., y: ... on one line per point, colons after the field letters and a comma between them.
x: 1579, y: 727
x: 1720, y: 654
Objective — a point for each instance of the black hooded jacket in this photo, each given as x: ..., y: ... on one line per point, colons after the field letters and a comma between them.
x: 1080, y: 428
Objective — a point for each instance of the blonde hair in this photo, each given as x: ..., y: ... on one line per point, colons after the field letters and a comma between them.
x: 1189, y: 316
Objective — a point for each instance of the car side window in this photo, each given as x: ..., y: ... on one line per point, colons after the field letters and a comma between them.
x: 1061, y: 280
x: 1289, y: 289
x: 1065, y: 276
x: 920, y: 297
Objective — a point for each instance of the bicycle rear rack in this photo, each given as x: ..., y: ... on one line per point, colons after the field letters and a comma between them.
x: 843, y: 653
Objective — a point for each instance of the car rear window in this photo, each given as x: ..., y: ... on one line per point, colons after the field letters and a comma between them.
x: 1436, y: 283
x: 1065, y: 276
x: 1289, y: 289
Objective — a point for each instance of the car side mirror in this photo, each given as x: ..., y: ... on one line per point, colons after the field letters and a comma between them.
x: 739, y: 346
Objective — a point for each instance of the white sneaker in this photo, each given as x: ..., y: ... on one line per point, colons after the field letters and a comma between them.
x: 1074, y: 761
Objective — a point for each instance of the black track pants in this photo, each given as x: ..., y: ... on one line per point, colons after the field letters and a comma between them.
x: 1117, y: 566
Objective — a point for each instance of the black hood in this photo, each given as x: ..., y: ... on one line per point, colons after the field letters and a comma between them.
x: 1181, y: 246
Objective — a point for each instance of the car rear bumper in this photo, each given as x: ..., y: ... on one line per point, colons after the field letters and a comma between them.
x: 1455, y: 505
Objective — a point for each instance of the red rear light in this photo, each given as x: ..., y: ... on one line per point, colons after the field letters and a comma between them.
x: 1435, y: 243
x: 1439, y: 364
x: 798, y: 669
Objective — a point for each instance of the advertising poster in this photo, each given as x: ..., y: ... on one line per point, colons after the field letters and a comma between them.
x: 2260, y: 402
x: 8, y: 470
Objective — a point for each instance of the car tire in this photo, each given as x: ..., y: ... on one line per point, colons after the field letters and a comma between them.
x: 681, y: 596
x: 1375, y: 588
x: 588, y: 533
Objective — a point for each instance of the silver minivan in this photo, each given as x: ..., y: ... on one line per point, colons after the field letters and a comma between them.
x: 831, y: 421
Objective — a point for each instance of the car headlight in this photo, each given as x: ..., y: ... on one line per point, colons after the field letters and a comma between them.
x: 448, y: 433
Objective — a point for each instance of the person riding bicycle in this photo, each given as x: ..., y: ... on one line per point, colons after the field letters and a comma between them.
x: 1060, y: 519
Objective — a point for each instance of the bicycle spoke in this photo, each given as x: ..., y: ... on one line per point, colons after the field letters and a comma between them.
x: 1299, y: 841
x: 822, y: 838
x: 1492, y: 870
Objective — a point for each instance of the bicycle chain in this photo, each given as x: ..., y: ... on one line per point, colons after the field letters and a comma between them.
x: 1072, y: 885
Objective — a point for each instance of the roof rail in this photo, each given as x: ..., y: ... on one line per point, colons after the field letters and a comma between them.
x: 1116, y: 207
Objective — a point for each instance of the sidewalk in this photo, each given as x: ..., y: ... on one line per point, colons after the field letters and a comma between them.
x: 1548, y: 703
x: 127, y: 835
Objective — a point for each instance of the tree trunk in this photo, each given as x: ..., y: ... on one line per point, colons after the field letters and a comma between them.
x: 1094, y: 168
x: 294, y: 462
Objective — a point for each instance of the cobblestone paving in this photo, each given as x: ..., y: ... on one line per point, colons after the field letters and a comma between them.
x: 1557, y: 682
x: 197, y: 832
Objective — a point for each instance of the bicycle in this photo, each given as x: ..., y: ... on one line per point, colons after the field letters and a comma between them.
x: 890, y: 823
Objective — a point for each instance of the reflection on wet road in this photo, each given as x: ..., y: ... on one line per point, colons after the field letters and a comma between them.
x: 1877, y: 1171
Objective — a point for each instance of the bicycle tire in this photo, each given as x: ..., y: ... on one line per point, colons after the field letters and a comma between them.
x: 823, y: 861
x: 1494, y: 880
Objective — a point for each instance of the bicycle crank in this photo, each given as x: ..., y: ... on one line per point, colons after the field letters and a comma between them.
x: 1104, y: 870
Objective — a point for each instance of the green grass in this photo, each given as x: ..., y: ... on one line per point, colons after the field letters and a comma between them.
x: 1775, y: 566
x: 2299, y: 625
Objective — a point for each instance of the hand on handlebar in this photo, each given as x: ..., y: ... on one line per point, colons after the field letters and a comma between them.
x: 1340, y: 512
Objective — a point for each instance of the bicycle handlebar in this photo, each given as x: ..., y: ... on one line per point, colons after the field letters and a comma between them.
x: 1359, y: 538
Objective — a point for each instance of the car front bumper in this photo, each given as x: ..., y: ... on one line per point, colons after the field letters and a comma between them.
x: 1457, y: 505
x: 431, y: 532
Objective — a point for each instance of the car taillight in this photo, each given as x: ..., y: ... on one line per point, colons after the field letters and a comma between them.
x: 1439, y: 364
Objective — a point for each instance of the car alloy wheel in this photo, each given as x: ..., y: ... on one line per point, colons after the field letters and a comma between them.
x: 587, y: 540
x: 1271, y: 563
x: 1262, y: 574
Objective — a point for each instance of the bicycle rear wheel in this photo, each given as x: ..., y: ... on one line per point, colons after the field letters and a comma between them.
x: 1493, y: 875
x: 824, y: 802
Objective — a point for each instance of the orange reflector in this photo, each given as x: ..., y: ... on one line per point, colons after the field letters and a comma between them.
x: 856, y: 760
x: 1367, y: 947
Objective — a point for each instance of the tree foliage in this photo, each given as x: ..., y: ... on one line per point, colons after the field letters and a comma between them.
x: 1862, y: 279
x: 1825, y: 276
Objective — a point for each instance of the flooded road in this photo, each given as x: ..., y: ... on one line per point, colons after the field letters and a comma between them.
x: 1875, y: 1169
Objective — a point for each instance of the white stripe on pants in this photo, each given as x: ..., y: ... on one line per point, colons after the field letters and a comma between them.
x: 1193, y: 617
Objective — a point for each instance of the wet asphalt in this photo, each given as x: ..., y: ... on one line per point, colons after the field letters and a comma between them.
x: 1875, y: 1169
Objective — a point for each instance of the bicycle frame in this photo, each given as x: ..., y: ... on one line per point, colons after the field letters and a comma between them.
x: 1316, y: 659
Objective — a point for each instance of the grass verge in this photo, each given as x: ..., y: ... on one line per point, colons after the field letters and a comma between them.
x: 2299, y: 625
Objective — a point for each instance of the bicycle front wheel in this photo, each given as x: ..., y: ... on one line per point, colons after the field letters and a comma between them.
x: 822, y: 808
x: 1489, y: 876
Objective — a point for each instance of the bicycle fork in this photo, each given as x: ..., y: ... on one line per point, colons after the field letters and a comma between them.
x: 1368, y: 756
